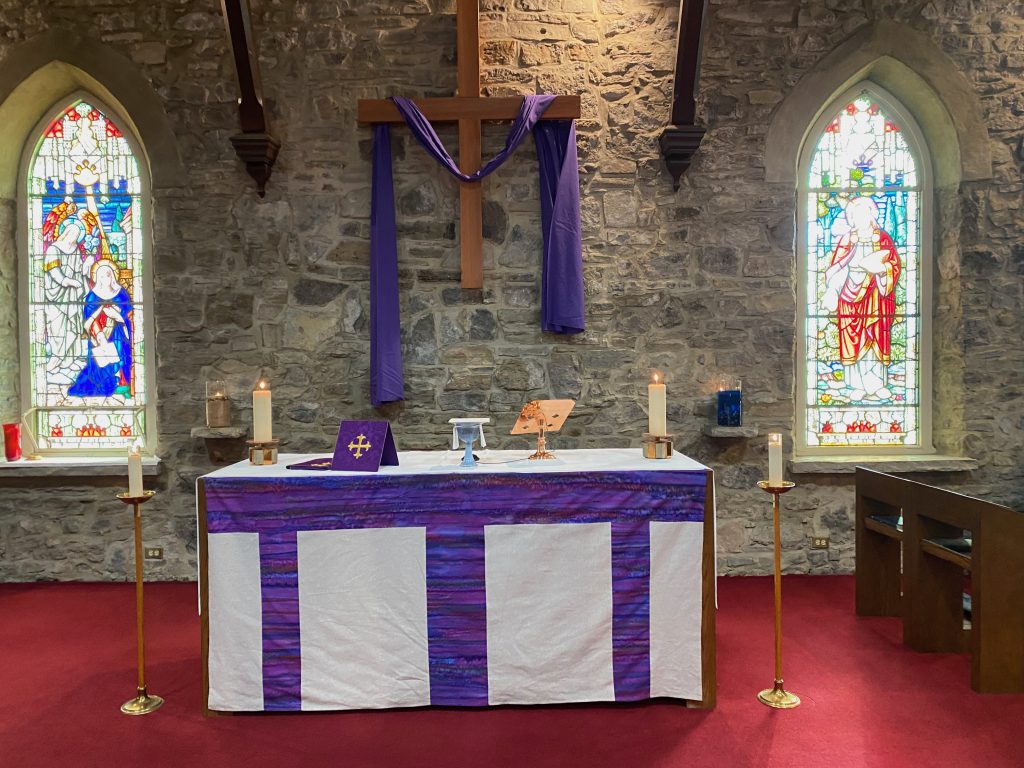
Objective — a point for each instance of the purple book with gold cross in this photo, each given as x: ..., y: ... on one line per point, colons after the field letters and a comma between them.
x: 363, y: 446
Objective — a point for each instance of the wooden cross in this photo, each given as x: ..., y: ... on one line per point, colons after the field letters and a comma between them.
x: 469, y: 109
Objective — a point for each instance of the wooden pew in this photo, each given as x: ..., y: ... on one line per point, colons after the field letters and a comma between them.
x: 927, y: 591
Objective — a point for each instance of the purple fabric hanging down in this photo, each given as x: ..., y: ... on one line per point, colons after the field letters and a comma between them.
x: 561, y: 303
x: 562, y: 271
x: 386, y: 381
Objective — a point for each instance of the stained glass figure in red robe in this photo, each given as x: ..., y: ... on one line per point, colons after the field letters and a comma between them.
x: 860, y: 289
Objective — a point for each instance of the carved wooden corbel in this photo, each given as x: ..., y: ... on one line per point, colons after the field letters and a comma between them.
x: 255, y: 146
x: 679, y: 142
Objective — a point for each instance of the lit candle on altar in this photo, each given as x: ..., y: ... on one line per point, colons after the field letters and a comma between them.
x: 657, y: 420
x: 135, y: 471
x: 775, y: 460
x: 262, y: 429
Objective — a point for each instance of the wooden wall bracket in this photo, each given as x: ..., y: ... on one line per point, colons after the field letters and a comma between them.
x: 255, y: 146
x: 679, y: 141
x: 258, y: 151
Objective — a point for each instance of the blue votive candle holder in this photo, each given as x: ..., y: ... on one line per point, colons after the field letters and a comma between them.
x: 730, y: 408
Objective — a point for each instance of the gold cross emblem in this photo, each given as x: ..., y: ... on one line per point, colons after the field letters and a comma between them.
x: 359, y: 446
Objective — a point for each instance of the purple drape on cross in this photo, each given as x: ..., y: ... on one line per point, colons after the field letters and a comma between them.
x: 562, y: 265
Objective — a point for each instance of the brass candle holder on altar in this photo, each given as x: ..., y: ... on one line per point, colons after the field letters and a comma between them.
x: 777, y: 696
x: 657, y: 446
x: 262, y: 452
x: 143, y: 703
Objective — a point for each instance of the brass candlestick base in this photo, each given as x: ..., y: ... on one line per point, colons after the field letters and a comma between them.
x: 262, y: 452
x: 777, y: 696
x: 657, y: 446
x: 143, y: 703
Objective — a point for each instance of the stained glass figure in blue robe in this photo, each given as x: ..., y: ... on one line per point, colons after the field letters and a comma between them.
x: 107, y: 315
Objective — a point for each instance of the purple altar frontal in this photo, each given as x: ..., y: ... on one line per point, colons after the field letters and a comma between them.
x: 586, y: 578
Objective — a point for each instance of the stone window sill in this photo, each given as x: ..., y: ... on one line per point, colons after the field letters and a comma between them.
x: 829, y: 465
x: 76, y: 466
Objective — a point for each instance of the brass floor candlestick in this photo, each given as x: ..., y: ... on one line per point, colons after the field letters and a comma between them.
x: 777, y: 696
x: 143, y: 703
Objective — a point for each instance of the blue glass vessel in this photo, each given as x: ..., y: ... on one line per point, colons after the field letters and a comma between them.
x: 730, y: 408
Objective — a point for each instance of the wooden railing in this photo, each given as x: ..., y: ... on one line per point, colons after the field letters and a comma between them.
x: 916, y: 570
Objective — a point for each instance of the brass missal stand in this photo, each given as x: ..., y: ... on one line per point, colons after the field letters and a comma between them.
x: 542, y: 416
x: 143, y: 703
x: 777, y: 696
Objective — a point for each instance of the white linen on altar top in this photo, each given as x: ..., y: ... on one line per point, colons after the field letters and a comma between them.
x: 363, y: 618
x: 236, y: 627
x: 549, y: 613
x: 676, y: 609
x: 440, y: 462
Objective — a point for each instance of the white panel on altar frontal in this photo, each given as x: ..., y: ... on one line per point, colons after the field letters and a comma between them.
x: 236, y: 622
x: 549, y: 613
x: 363, y: 618
x: 676, y: 550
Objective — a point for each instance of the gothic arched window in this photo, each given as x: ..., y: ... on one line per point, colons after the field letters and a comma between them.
x: 864, y: 373
x: 84, y: 356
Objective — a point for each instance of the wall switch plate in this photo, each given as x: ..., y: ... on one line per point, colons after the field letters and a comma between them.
x: 154, y: 553
x: 819, y: 542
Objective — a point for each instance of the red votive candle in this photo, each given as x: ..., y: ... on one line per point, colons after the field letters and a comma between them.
x: 12, y: 441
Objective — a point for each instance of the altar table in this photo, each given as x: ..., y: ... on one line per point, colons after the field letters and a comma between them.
x: 585, y: 578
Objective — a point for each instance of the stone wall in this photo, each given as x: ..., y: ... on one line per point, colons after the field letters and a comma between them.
x: 698, y: 283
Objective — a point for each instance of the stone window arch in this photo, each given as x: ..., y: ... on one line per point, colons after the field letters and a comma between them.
x: 39, y: 76
x: 864, y: 272
x: 908, y: 66
x: 85, y: 285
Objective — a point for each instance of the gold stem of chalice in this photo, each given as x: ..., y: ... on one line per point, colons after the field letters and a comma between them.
x: 777, y: 696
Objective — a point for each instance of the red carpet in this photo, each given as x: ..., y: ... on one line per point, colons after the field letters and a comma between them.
x: 68, y: 663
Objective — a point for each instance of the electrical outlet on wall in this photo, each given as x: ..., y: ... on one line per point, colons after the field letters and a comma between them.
x: 819, y: 542
x: 154, y: 553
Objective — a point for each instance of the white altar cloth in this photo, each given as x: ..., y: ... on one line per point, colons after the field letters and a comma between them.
x: 577, y: 579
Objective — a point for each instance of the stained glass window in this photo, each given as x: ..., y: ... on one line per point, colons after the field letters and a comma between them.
x: 85, y: 285
x: 863, y: 283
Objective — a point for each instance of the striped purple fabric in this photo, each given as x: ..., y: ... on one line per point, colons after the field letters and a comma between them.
x: 454, y: 508
x: 282, y: 649
x: 631, y: 609
x: 456, y: 615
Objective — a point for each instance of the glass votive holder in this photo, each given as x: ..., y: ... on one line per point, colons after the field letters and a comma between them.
x: 218, y: 405
x: 12, y: 442
x: 730, y: 403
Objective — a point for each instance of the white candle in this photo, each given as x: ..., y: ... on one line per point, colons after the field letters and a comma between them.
x: 262, y: 428
x: 775, y: 460
x: 135, y: 471
x: 657, y: 420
